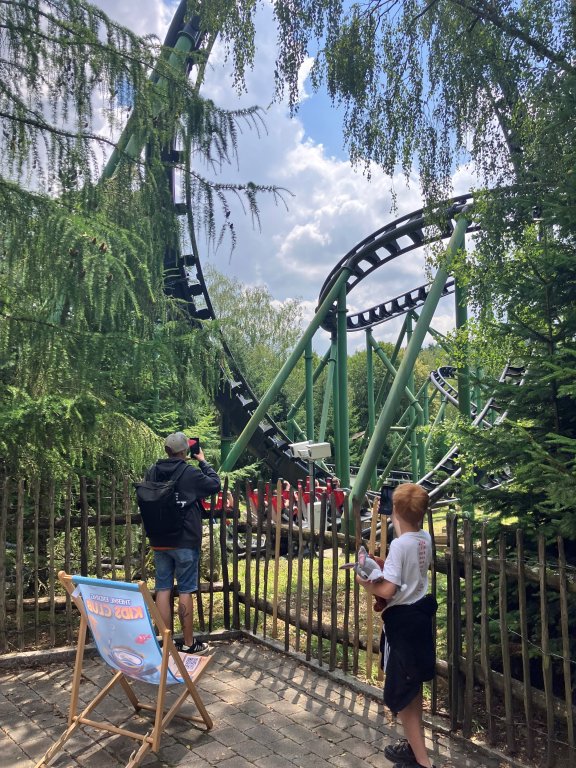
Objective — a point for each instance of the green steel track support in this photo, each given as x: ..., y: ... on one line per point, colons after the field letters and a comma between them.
x: 399, y: 448
x: 464, y: 400
x: 412, y: 399
x: 437, y: 420
x: 308, y: 359
x: 331, y: 358
x: 416, y: 414
x: 335, y: 407
x: 268, y: 398
x: 370, y: 394
x: 300, y: 399
x: 380, y: 396
x: 386, y: 417
x: 344, y: 420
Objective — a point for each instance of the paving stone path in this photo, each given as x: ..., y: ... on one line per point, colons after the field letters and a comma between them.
x: 269, y: 711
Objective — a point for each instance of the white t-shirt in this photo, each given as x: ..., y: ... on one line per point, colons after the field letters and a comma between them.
x: 407, y: 565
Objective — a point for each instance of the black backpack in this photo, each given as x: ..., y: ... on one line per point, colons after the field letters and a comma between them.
x: 162, y: 516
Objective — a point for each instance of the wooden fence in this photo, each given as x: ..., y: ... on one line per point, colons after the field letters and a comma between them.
x: 506, y: 626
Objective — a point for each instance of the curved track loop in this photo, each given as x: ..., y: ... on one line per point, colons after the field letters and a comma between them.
x: 438, y: 480
x: 403, y: 235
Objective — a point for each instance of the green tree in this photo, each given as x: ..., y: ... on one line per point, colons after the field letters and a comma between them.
x: 94, y: 357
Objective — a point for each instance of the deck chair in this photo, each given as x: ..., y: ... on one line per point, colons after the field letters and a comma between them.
x: 121, y: 617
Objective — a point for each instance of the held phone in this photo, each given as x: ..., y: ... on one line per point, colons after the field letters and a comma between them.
x: 194, y: 446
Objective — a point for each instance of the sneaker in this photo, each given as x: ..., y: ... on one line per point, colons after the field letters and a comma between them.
x: 412, y: 765
x: 401, y: 753
x: 197, y: 648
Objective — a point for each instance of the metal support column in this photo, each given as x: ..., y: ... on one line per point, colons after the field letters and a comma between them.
x: 386, y: 417
x: 309, y: 392
x: 415, y: 420
x: 327, y: 392
x: 344, y: 420
x: 464, y: 399
x: 370, y: 396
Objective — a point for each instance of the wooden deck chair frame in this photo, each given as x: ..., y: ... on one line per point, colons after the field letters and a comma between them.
x: 171, y: 664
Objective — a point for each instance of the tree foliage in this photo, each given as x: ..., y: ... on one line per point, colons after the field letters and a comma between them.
x: 260, y: 333
x: 95, y: 358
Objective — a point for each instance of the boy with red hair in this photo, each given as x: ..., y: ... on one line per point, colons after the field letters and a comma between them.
x: 408, y: 651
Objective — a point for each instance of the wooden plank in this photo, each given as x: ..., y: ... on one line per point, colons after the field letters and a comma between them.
x: 320, y: 591
x: 127, y: 515
x: 67, y: 560
x: 260, y: 514
x: 468, y: 701
x: 248, y: 569
x: 235, y: 581
x: 268, y: 557
x: 434, y: 591
x: 546, y: 655
x: 566, y: 656
x: 98, y: 529
x: 52, y: 563
x: 290, y: 568
x: 210, y: 565
x: 368, y: 599
x: 346, y: 612
x: 112, y: 533
x: 334, y: 612
x: 224, y: 557
x: 277, y: 541
x: 311, y: 551
x: 525, y: 644
x: 453, y: 623
x: 383, y: 553
x: 505, y: 647
x: 3, y: 528
x: 84, y: 545
x: 355, y: 591
x: 299, y: 572
x: 485, y: 655
x: 36, y: 556
x: 20, y: 566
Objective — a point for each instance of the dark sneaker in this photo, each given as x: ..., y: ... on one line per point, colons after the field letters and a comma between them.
x: 197, y: 648
x: 412, y: 765
x: 401, y: 753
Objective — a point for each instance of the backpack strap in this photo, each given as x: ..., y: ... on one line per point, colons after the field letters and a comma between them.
x: 175, y: 477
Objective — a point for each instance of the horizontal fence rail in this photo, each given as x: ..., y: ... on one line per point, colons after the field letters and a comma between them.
x: 271, y: 566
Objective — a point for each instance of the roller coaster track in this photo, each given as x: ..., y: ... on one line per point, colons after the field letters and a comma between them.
x: 235, y: 399
x: 439, y: 480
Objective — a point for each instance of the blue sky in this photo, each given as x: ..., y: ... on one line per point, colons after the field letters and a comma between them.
x: 331, y: 207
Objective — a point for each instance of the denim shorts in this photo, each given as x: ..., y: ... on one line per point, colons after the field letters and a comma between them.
x: 179, y: 563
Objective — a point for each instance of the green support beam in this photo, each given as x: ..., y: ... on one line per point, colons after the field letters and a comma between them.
x: 386, y: 417
x: 408, y: 390
x: 327, y: 392
x: 343, y: 413
x: 464, y: 399
x: 370, y: 395
x: 300, y: 399
x: 309, y: 373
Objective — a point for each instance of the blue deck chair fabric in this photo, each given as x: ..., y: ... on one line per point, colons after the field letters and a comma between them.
x: 123, y: 620
x: 120, y: 624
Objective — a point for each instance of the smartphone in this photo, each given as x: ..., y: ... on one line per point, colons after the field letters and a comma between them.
x: 194, y: 446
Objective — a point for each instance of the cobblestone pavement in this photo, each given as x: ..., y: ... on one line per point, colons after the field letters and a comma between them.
x: 269, y: 711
